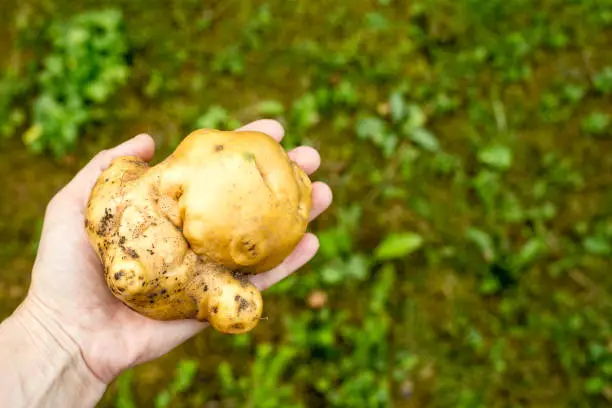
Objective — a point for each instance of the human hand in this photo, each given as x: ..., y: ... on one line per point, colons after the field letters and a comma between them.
x: 68, y: 289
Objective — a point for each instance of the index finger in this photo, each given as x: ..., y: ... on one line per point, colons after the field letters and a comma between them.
x: 268, y: 126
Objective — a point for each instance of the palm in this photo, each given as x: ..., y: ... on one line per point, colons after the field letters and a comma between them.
x: 68, y: 279
x: 70, y: 282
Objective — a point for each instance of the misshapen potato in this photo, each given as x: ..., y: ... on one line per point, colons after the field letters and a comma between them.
x: 179, y: 239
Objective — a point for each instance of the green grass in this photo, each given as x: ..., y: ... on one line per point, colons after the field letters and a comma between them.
x: 465, y: 261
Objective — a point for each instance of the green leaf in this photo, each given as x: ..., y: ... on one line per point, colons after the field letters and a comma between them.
x: 603, y: 81
x: 597, y: 245
x: 125, y: 397
x: 242, y: 340
x: 332, y: 274
x: 532, y: 249
x: 489, y: 285
x: 226, y: 377
x: 230, y: 60
x: 425, y: 139
x: 345, y: 94
x: 375, y: 129
x: 357, y: 265
x: 398, y: 245
x: 558, y: 39
x: 382, y: 288
x: 483, y: 241
x: 163, y: 399
x: 496, y: 156
x: 186, y: 372
x: 305, y: 112
x: 270, y: 108
x: 377, y: 21
x: 397, y: 107
x: 597, y: 351
x: 511, y: 208
x: 596, y: 123
x: 216, y: 117
x: 371, y: 128
x: 594, y: 385
x: 416, y: 118
x: 573, y: 93
x: 488, y: 186
x: 32, y: 135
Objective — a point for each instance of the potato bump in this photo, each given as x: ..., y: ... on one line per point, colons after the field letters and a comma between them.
x: 179, y: 240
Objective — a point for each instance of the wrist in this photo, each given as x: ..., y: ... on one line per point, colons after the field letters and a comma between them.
x: 43, y: 365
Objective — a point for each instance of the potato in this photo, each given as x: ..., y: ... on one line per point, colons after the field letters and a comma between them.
x: 178, y: 240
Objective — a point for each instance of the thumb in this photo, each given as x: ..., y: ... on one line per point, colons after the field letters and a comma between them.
x: 80, y: 186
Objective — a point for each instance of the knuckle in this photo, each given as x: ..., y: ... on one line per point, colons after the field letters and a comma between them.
x: 55, y: 202
x: 102, y: 159
x: 102, y: 156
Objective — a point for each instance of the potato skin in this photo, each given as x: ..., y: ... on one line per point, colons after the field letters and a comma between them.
x: 177, y: 240
x: 254, y: 205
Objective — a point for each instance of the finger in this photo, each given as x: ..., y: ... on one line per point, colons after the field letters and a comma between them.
x: 142, y: 146
x: 304, y: 252
x: 321, y: 199
x: 307, y: 158
x: 268, y: 126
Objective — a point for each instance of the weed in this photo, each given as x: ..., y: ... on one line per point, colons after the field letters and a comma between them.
x: 603, y: 81
x: 217, y: 117
x: 125, y: 397
x: 184, y: 376
x: 264, y: 386
x: 84, y: 69
x: 12, y: 86
x: 464, y: 262
x: 596, y: 123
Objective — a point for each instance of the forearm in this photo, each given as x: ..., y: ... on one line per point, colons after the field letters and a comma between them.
x: 41, y: 366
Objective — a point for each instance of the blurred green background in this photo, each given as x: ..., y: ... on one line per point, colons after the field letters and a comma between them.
x: 466, y: 259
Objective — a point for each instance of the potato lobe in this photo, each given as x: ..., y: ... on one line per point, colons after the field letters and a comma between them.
x: 178, y: 239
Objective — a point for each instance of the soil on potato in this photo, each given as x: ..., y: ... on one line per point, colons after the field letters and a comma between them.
x: 164, y: 37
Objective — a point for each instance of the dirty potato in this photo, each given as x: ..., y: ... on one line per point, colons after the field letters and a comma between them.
x: 178, y: 240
